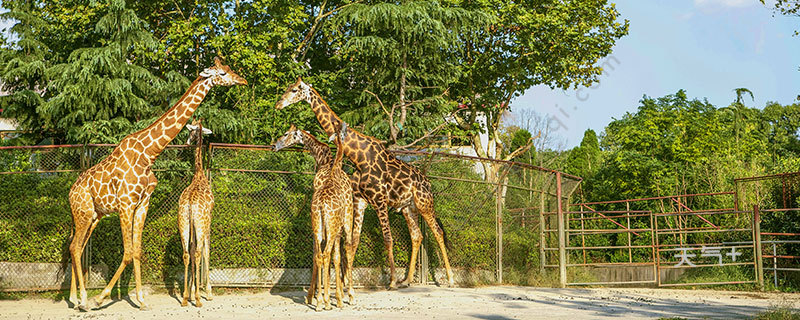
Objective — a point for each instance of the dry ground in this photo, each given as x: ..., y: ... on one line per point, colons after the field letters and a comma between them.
x: 430, y: 302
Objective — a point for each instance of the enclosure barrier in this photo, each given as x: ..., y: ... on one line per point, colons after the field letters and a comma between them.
x: 260, y: 235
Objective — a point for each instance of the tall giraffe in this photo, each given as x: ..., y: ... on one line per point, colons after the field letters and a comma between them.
x: 194, y: 220
x: 123, y: 182
x: 380, y: 180
x: 325, y: 165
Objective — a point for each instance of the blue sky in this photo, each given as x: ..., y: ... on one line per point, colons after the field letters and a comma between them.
x: 707, y: 47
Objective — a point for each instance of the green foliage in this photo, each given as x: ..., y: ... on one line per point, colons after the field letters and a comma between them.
x: 101, y: 91
x: 23, y: 67
x: 557, y: 44
x: 405, y: 53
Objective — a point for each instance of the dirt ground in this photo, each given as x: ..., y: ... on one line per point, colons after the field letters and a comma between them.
x: 430, y: 302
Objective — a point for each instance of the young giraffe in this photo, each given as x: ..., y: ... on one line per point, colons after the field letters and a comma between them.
x: 123, y: 182
x: 331, y: 211
x: 381, y: 180
x: 194, y: 220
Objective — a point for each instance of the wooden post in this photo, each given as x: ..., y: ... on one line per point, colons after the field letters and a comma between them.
x: 562, y: 252
x: 542, y: 243
x: 757, y: 247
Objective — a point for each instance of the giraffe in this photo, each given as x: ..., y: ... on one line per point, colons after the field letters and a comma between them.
x: 380, y: 180
x: 331, y: 211
x: 123, y: 182
x: 194, y: 220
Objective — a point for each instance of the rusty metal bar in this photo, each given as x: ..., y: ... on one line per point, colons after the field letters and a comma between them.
x: 690, y: 210
x: 513, y: 163
x: 767, y: 176
x: 602, y: 215
x: 703, y: 283
x: 608, y: 247
x: 601, y: 264
x: 705, y: 231
x: 779, y: 234
x: 782, y: 257
x: 694, y: 213
x: 746, y: 263
x: 606, y: 283
x: 657, y: 198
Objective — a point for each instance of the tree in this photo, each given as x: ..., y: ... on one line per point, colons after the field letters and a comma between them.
x: 100, y: 92
x: 584, y: 159
x: 22, y: 72
x: 402, y: 60
x: 531, y: 43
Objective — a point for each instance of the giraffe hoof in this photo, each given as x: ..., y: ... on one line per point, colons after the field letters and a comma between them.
x: 81, y: 308
x: 318, y: 307
x: 198, y: 303
x: 97, y: 302
x: 144, y: 307
x: 184, y: 303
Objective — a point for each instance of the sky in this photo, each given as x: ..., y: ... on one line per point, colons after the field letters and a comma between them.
x: 706, y: 47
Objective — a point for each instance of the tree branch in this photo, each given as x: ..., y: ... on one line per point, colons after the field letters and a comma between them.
x: 429, y: 133
x: 392, y: 128
x: 524, y: 148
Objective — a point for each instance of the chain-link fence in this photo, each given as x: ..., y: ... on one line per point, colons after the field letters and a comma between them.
x: 261, y: 234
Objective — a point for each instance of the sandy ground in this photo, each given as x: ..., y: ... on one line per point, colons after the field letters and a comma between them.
x: 430, y: 302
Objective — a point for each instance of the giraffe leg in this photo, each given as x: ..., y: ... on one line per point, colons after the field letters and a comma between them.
x: 425, y: 207
x: 82, y: 231
x: 416, y: 240
x: 319, y: 287
x: 354, y: 235
x: 312, y: 286
x: 337, y: 266
x: 185, y: 231
x: 138, y: 227
x: 326, y: 264
x: 127, y: 255
x: 378, y: 201
x: 206, y: 261
x: 197, y: 253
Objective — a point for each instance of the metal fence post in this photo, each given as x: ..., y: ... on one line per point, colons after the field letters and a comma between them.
x: 499, y: 231
x: 542, y: 243
x: 757, y: 247
x: 775, y: 264
x: 562, y: 254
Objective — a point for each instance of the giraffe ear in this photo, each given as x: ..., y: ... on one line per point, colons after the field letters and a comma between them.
x: 218, y: 62
x: 207, y: 131
x: 191, y: 127
x: 292, y: 127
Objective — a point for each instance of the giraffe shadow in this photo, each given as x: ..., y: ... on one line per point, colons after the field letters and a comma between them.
x: 173, y: 260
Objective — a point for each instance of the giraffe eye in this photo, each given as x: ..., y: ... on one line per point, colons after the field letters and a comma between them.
x: 294, y: 90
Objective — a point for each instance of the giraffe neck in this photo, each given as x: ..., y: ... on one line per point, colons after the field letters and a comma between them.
x: 326, y: 117
x: 163, y: 130
x: 320, y: 151
x: 198, y: 154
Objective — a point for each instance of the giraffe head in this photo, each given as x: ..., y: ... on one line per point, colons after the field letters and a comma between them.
x: 296, y: 92
x: 195, y: 129
x: 290, y: 138
x: 222, y: 75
